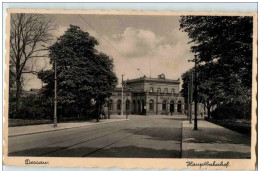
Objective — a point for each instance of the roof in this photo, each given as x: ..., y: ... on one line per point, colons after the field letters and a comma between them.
x: 119, y: 89
x: 157, y: 80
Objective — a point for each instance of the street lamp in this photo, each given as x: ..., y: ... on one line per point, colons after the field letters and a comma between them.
x: 195, y: 92
x: 190, y: 92
x: 55, y: 93
x: 122, y: 103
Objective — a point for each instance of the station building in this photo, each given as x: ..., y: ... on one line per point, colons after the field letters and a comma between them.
x: 148, y: 96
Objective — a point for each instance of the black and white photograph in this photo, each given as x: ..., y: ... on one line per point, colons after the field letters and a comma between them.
x: 131, y: 85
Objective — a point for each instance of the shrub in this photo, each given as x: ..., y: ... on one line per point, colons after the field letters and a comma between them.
x: 32, y: 107
x: 232, y: 111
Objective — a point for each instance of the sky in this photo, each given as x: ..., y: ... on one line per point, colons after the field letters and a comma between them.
x: 139, y: 44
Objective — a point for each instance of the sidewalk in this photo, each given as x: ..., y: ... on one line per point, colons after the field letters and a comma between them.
x: 33, y: 129
x: 213, y: 141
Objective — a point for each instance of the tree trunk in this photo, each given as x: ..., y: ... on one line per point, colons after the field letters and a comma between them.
x: 204, y: 109
x: 208, y: 107
x: 98, y: 110
x: 18, y: 93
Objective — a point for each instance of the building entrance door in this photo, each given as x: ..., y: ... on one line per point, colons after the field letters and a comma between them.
x: 179, y: 106
x: 171, y: 107
x: 139, y: 106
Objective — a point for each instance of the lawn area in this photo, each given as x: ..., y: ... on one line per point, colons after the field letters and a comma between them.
x: 239, y: 125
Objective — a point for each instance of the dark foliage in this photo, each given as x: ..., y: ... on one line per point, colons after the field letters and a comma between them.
x: 32, y: 107
x: 82, y: 74
x: 223, y: 46
x: 232, y: 111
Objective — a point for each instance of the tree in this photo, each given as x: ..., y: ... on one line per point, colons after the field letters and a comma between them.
x: 185, y: 80
x: 226, y: 40
x: 209, y: 85
x: 223, y: 46
x: 82, y: 72
x: 28, y: 33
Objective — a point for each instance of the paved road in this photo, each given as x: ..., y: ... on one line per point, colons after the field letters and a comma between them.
x: 141, y: 136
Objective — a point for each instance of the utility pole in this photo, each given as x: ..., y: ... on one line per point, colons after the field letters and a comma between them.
x: 191, y: 94
x: 157, y: 102
x: 188, y: 101
x: 189, y: 86
x: 55, y: 93
x: 150, y: 70
x: 195, y: 96
x: 122, y: 104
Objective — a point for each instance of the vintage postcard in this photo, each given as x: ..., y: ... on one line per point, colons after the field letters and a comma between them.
x: 130, y: 89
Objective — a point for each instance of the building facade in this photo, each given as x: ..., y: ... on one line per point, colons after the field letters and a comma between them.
x: 148, y: 96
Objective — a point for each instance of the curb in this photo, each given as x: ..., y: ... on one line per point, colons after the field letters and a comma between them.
x: 59, y: 129
x: 181, y: 138
x: 184, y: 152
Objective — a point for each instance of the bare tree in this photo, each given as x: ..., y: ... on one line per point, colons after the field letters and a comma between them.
x: 30, y: 33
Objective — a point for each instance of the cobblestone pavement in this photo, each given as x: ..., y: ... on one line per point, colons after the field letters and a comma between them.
x: 141, y: 136
x: 214, y: 141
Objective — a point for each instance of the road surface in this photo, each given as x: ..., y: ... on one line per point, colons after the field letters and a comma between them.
x: 141, y: 136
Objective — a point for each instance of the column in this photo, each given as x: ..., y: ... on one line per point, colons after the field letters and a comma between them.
x: 168, y: 108
x: 159, y: 108
x: 175, y: 107
x: 182, y: 107
x: 147, y: 106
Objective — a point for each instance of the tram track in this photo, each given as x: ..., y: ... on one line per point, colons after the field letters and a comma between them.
x: 82, y: 142
x: 96, y: 131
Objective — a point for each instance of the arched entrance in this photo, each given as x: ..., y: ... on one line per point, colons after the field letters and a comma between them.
x: 127, y: 106
x: 179, y: 106
x: 143, y: 107
x: 138, y: 106
x: 164, y: 106
x: 134, y: 106
x: 151, y: 105
x: 172, y: 107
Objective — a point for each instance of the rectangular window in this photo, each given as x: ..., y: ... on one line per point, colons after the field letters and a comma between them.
x: 158, y: 90
x: 172, y: 91
x: 166, y: 90
x: 151, y: 89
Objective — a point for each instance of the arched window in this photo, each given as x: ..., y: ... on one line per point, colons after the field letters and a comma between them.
x: 127, y: 105
x: 119, y: 105
x: 164, y: 105
x: 110, y: 105
x: 166, y: 90
x: 134, y: 106
x: 151, y: 89
x: 179, y: 106
x: 173, y: 91
x: 158, y: 90
x: 151, y: 104
x: 171, y: 106
x: 139, y: 106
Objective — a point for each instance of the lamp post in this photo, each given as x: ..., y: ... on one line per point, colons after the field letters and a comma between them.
x: 195, y: 96
x: 55, y: 93
x: 122, y: 104
x: 190, y: 92
x: 195, y: 92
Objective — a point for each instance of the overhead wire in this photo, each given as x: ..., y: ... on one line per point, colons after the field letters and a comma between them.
x: 109, y: 44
